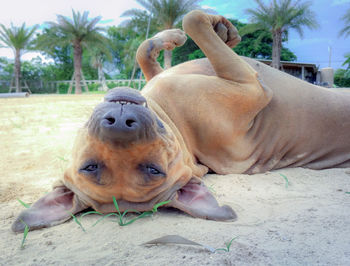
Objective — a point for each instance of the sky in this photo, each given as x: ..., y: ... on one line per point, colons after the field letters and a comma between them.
x: 314, y: 47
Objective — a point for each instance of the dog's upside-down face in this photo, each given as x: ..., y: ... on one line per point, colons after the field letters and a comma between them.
x: 124, y: 151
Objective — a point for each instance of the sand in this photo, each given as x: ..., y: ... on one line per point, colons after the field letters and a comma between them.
x: 305, y: 221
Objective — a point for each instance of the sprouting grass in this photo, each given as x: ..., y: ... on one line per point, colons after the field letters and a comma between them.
x: 122, y: 218
x: 211, y: 188
x: 347, y: 192
x: 78, y: 222
x: 25, y: 233
x: 26, y: 205
x: 62, y: 158
x: 26, y: 228
x: 228, y: 246
x: 286, y: 179
x: 123, y: 221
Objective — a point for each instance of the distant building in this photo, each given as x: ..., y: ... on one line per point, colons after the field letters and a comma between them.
x: 304, y: 71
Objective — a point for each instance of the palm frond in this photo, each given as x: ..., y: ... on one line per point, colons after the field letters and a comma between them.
x: 346, y: 30
x: 17, y: 38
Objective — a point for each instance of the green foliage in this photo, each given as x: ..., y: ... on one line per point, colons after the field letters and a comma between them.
x: 25, y: 233
x: 347, y: 61
x: 124, y: 43
x: 123, y: 219
x: 25, y: 205
x: 69, y: 31
x: 346, y: 30
x: 165, y: 13
x: 250, y: 46
x: 282, y: 15
x: 342, y: 78
x: 279, y: 17
x: 286, y: 179
x: 228, y: 245
x: 17, y: 38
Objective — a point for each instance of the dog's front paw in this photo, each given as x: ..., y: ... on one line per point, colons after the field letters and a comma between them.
x: 197, y: 22
x: 170, y: 38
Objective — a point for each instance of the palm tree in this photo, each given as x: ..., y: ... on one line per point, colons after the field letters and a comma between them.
x: 346, y: 30
x: 280, y: 16
x: 167, y: 13
x: 98, y: 56
x: 79, y: 32
x: 20, y: 40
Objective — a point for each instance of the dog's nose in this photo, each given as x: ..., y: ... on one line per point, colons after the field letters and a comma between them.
x: 120, y: 126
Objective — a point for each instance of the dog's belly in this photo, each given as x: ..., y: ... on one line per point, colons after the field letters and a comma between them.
x: 288, y: 133
x: 301, y: 133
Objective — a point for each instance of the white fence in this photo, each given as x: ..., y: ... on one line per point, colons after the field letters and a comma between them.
x: 53, y: 86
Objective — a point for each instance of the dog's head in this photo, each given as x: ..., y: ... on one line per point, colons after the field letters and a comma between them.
x: 125, y: 151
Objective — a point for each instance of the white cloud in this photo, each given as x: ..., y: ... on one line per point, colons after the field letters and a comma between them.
x: 339, y: 2
x: 209, y: 7
x: 39, y: 11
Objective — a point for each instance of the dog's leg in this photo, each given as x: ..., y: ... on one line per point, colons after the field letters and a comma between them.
x: 148, y: 51
x: 217, y: 45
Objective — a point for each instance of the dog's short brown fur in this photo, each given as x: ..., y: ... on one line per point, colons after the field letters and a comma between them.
x: 224, y: 113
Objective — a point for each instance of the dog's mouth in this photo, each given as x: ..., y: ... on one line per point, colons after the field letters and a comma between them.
x: 128, y: 102
x: 125, y: 96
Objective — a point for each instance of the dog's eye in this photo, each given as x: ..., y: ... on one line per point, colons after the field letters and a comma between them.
x: 90, y: 168
x: 153, y: 171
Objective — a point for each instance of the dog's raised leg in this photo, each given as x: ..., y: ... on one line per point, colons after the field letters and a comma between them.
x: 217, y: 45
x: 148, y: 51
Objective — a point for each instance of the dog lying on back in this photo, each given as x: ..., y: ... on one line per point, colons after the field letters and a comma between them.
x: 224, y: 113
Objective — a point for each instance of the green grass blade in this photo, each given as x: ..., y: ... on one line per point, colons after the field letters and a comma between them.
x: 221, y: 249
x: 25, y: 233
x: 347, y: 192
x: 77, y: 221
x: 90, y: 212
x: 156, y: 206
x: 286, y: 179
x: 116, y: 205
x: 228, y: 245
x: 105, y: 216
x: 142, y: 215
x: 26, y: 205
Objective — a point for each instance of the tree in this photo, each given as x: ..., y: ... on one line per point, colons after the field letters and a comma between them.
x: 279, y: 17
x: 20, y: 40
x: 98, y: 55
x: 125, y: 40
x: 166, y: 13
x: 255, y: 45
x: 78, y: 32
x: 346, y: 30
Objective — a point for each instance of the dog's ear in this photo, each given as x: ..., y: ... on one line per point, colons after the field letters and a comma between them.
x: 54, y: 208
x: 195, y: 199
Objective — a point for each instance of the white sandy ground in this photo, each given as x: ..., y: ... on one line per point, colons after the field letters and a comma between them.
x: 306, y: 223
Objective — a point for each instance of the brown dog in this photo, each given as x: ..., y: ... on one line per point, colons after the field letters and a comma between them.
x: 205, y: 114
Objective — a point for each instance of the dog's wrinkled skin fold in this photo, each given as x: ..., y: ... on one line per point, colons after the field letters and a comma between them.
x: 224, y: 113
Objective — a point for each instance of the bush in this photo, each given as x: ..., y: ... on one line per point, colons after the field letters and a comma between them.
x: 342, y: 78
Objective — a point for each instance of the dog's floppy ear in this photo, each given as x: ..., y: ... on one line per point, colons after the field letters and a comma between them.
x: 195, y: 199
x: 54, y: 208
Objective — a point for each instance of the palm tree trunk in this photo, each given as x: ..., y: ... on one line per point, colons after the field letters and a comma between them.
x: 276, y: 48
x: 18, y: 70
x: 77, y: 66
x: 101, y: 77
x: 167, y: 58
